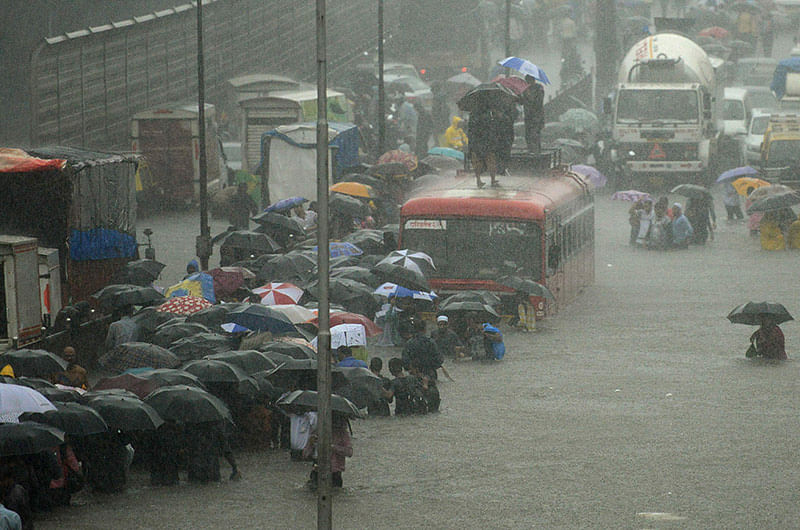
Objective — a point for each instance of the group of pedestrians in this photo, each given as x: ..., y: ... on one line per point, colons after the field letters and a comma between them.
x: 658, y: 226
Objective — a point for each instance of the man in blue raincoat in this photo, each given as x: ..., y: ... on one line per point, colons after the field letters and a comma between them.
x: 493, y: 342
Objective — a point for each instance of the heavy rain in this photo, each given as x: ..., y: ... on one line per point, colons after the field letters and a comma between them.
x: 560, y: 242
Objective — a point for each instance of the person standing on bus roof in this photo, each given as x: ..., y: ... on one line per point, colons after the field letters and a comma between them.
x: 481, y: 133
x: 532, y: 100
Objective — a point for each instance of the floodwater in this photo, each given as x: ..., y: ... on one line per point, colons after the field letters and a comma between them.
x: 632, y: 408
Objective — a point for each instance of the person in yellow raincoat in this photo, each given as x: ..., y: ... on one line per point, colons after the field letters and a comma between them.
x: 454, y: 136
x: 793, y: 235
x: 771, y: 234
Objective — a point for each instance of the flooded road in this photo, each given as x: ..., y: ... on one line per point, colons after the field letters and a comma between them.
x: 632, y: 408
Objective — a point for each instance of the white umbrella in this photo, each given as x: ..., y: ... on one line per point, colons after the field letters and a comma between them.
x: 295, y: 313
x: 410, y: 259
x: 346, y: 335
x: 16, y: 399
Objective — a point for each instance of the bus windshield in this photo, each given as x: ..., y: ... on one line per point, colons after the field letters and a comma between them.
x: 477, y: 248
x: 657, y: 105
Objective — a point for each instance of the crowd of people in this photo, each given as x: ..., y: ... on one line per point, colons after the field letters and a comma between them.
x: 657, y: 226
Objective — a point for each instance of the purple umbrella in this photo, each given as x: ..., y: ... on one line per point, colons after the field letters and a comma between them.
x: 735, y: 173
x: 597, y: 179
x: 285, y: 204
x: 630, y: 195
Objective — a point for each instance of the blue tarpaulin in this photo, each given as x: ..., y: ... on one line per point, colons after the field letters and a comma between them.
x: 778, y: 86
x: 100, y: 243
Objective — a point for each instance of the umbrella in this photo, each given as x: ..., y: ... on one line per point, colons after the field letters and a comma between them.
x: 283, y: 267
x: 344, y: 261
x: 347, y: 205
x: 188, y: 405
x: 597, y: 179
x: 214, y: 371
x: 117, y: 296
x: 464, y: 78
x: 735, y: 173
x: 213, y: 316
x: 525, y: 67
x: 265, y: 386
x: 126, y: 413
x: 133, y: 383
x: 775, y: 202
x: 342, y: 248
x: 170, y: 376
x: 515, y: 84
x: 279, y: 293
x: 16, y: 399
x: 768, y: 191
x: 487, y: 95
x: 355, y: 189
x: 60, y: 395
x: 357, y: 382
x: 28, y: 438
x: 630, y: 195
x: 113, y: 392
x: 170, y: 332
x: 35, y: 383
x: 395, y: 170
x: 410, y: 259
x: 139, y: 272
x: 743, y: 184
x: 526, y: 286
x: 343, y: 291
x: 368, y: 240
x: 72, y: 418
x: 754, y: 313
x: 693, y: 191
x: 148, y: 319
x: 481, y: 311
x: 392, y: 289
x: 442, y: 162
x: 251, y: 241
x: 396, y: 156
x: 294, y: 312
x: 400, y: 275
x: 184, y: 305
x: 715, y: 32
x: 261, y: 318
x: 250, y: 361
x: 301, y: 401
x: 199, y: 284
x: 200, y: 345
x: 580, y: 120
x: 288, y: 350
x: 228, y: 279
x: 138, y: 355
x: 280, y: 223
x: 448, y: 152
x: 359, y: 274
x: 33, y: 363
x: 345, y: 317
x: 483, y: 297
x: 348, y: 335
x: 285, y: 204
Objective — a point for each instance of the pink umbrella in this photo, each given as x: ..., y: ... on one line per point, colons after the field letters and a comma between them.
x: 597, y: 179
x: 515, y: 84
x: 228, y: 279
x: 278, y: 293
x: 184, y: 305
x: 630, y: 195
x: 714, y: 32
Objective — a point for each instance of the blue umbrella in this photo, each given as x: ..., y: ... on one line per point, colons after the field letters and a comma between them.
x: 285, y: 204
x: 259, y: 317
x: 595, y: 177
x: 735, y: 173
x: 342, y: 248
x: 525, y: 67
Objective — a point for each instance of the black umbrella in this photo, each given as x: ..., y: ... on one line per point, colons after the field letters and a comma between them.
x: 60, y: 395
x: 286, y: 267
x: 370, y: 241
x: 170, y: 332
x: 28, y: 438
x: 390, y: 170
x: 279, y: 222
x: 526, y: 286
x: 402, y: 276
x: 139, y: 272
x: 126, y: 413
x: 487, y: 95
x: 778, y: 201
x: 353, y: 296
x: 754, y: 313
x: 72, y: 418
x: 288, y: 349
x: 188, y: 405
x: 121, y: 295
x: 360, y: 382
x: 358, y: 274
x: 213, y: 317
x: 170, y: 377
x: 481, y: 311
x: 693, y: 191
x: 148, y: 319
x: 292, y: 373
x: 212, y: 371
x: 301, y: 401
x: 138, y: 355
x: 35, y: 383
x: 346, y: 205
x: 249, y: 361
x: 265, y: 386
x: 251, y: 241
x: 200, y: 345
x: 33, y: 363
x: 344, y: 261
x: 483, y: 297
x: 86, y: 397
x: 258, y: 317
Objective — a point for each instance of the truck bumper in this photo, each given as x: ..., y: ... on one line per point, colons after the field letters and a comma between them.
x: 678, y: 166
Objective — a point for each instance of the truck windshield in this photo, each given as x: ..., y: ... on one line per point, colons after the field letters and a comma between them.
x: 783, y: 152
x: 655, y: 105
x: 759, y: 125
x: 733, y: 109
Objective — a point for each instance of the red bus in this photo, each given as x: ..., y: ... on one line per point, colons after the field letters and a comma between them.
x: 541, y: 225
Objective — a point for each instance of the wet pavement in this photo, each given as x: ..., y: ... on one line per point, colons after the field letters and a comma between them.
x: 632, y: 408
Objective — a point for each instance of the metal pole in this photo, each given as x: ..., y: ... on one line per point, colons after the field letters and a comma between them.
x: 203, y: 243
x: 508, y: 28
x: 324, y: 505
x: 381, y: 87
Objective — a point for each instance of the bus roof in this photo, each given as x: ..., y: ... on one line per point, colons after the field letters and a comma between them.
x: 517, y: 197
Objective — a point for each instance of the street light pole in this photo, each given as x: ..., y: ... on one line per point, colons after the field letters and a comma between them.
x: 508, y: 28
x: 203, y: 242
x: 324, y: 504
x: 381, y: 87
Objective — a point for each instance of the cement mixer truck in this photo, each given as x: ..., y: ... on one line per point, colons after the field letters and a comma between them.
x: 663, y: 114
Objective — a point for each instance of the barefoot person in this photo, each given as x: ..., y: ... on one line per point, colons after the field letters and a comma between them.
x: 482, y: 148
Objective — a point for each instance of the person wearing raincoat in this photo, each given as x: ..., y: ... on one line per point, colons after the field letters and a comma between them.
x: 793, y: 235
x: 771, y: 234
x: 454, y: 136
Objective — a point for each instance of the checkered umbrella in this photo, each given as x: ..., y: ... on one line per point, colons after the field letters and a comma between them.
x: 184, y: 305
x: 275, y: 293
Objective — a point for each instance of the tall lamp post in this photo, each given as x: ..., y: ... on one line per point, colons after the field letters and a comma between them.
x: 324, y: 505
x: 203, y: 242
x: 381, y: 87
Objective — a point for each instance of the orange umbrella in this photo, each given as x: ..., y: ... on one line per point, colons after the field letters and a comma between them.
x: 354, y: 189
x: 744, y: 183
x: 715, y: 32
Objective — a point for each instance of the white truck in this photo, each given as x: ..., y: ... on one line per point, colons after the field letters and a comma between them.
x: 663, y: 113
x: 20, y: 305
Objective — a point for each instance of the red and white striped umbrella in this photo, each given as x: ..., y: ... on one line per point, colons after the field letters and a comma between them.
x: 279, y: 293
x: 184, y: 305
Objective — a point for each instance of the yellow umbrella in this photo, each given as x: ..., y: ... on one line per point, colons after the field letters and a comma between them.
x: 354, y: 189
x: 744, y: 183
